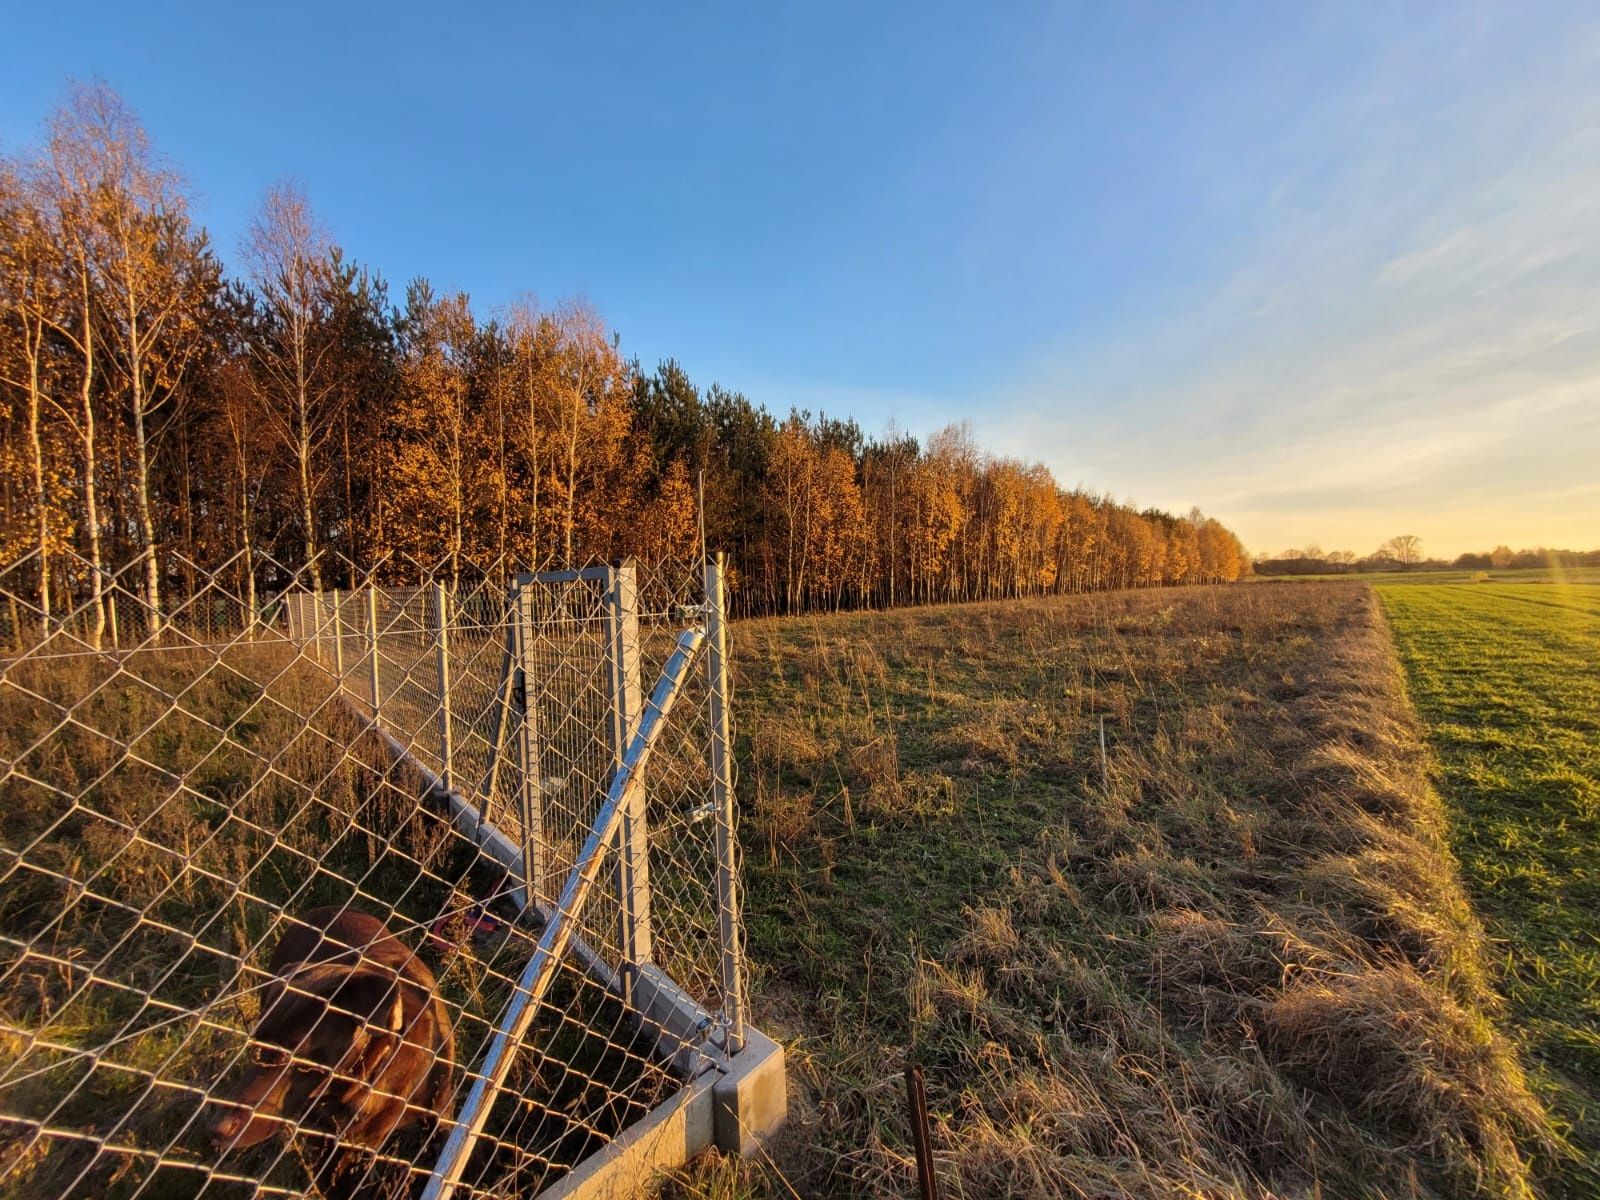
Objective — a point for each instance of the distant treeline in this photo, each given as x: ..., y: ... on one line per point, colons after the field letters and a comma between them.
x: 166, y: 421
x: 1499, y: 559
x: 1503, y: 558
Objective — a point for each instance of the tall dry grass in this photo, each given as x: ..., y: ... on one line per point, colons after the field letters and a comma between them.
x: 163, y: 811
x: 1238, y: 963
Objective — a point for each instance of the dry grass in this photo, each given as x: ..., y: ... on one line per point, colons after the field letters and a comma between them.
x: 1242, y: 966
x: 161, y: 812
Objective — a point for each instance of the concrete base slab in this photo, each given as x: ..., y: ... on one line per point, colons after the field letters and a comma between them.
x: 736, y: 1108
x: 752, y: 1096
x: 669, y: 1136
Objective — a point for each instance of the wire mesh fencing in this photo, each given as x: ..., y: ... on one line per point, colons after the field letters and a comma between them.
x: 390, y: 888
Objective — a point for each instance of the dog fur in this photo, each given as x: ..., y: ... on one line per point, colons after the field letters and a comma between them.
x: 353, y: 1042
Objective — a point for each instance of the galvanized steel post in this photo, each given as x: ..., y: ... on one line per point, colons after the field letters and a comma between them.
x: 372, y: 649
x: 633, y: 857
x: 338, y: 640
x: 728, y: 921
x: 441, y: 635
x: 531, y: 793
x: 322, y: 618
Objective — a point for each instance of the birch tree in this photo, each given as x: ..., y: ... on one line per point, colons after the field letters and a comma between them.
x: 293, y: 344
x: 153, y: 274
x: 68, y: 194
x: 30, y: 302
x: 789, y: 489
x: 530, y: 380
x: 590, y: 394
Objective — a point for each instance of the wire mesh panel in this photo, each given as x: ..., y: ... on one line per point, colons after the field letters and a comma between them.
x: 566, y: 742
x: 259, y: 925
x: 685, y: 811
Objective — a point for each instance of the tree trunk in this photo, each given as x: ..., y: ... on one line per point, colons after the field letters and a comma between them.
x: 458, y: 471
x: 91, y: 501
x: 41, y: 500
x: 503, y: 498
x: 147, y: 525
x: 533, y: 470
x: 308, y: 516
x: 191, y: 554
x: 248, y: 543
x: 141, y: 449
x: 533, y: 464
x: 349, y: 500
x: 572, y: 475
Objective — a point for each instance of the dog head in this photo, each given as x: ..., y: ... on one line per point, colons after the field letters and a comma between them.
x: 325, y: 1039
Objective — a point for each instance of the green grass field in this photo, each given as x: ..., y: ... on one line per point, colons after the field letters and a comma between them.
x: 1506, y: 677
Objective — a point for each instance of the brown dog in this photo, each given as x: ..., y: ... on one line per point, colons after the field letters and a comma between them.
x: 353, y: 1041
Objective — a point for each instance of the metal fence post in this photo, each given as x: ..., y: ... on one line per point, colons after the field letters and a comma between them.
x: 372, y: 648
x: 321, y: 621
x: 338, y: 639
x: 530, y: 794
x: 633, y: 857
x: 729, y: 927
x: 441, y: 634
x: 917, y: 1097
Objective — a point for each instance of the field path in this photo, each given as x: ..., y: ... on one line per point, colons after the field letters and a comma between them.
x: 1507, y: 681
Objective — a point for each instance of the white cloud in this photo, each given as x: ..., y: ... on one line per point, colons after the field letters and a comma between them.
x: 1412, y: 343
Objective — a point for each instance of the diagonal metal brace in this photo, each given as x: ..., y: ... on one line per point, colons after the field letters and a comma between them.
x: 540, y: 971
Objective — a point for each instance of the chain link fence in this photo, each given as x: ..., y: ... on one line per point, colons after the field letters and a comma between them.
x: 424, y: 884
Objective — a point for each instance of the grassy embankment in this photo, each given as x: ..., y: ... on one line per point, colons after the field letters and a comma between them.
x: 1240, y: 964
x: 1507, y: 679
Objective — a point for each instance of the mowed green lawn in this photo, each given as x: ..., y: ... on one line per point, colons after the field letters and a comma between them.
x: 1506, y: 677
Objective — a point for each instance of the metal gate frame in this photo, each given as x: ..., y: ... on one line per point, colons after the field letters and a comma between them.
x: 749, y: 1098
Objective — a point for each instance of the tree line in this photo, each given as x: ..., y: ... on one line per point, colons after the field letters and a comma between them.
x: 1404, y: 553
x: 164, y: 421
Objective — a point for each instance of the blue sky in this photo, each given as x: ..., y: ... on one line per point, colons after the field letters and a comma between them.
x: 1329, y: 272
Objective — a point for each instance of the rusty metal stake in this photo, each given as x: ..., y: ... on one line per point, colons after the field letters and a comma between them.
x: 917, y: 1097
